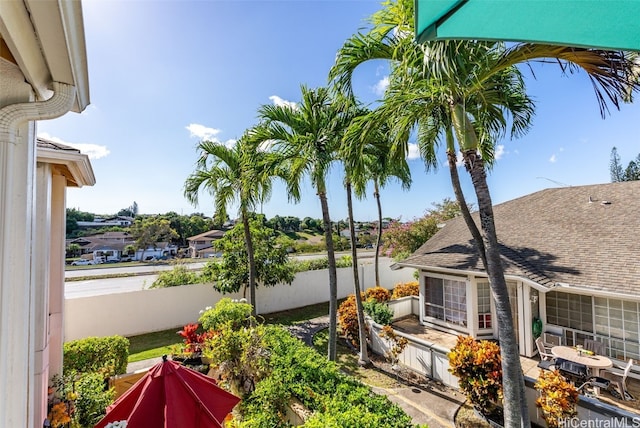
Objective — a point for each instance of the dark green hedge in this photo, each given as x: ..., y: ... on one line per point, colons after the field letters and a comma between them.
x: 105, y: 355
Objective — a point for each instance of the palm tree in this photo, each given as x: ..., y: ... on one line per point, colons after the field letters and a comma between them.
x: 308, y: 136
x: 237, y: 174
x: 468, y: 89
x: 373, y: 159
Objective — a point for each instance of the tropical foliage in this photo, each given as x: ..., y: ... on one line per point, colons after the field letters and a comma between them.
x: 467, y: 95
x: 307, y: 136
x: 401, y: 239
x: 477, y: 365
x: 232, y: 273
x: 558, y: 398
x: 270, y: 369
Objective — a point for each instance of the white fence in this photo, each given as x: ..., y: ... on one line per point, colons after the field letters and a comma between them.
x: 145, y: 311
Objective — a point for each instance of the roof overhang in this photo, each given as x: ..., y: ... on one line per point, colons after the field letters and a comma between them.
x: 74, y: 165
x: 610, y: 24
x: 45, y: 39
x: 475, y: 273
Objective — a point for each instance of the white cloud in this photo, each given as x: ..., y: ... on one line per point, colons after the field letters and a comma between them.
x: 202, y: 132
x: 414, y: 152
x: 94, y: 151
x: 382, y: 85
x: 553, y: 158
x: 229, y: 143
x: 499, y: 151
x: 276, y: 100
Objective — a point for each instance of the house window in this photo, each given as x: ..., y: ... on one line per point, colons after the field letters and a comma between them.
x: 617, y: 323
x: 484, y: 305
x: 446, y: 300
x: 614, y: 322
x: 570, y: 310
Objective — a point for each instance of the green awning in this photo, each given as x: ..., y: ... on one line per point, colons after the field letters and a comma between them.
x: 606, y: 24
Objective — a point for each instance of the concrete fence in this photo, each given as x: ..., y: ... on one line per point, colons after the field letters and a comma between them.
x: 146, y: 311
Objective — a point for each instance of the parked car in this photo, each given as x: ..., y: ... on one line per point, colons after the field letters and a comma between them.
x: 82, y: 262
x: 126, y: 259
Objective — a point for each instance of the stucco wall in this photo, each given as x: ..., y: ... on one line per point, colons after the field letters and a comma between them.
x: 144, y: 311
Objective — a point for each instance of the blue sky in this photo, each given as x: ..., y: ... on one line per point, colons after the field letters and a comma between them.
x: 165, y: 74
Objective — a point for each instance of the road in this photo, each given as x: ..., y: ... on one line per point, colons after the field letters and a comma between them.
x: 144, y: 279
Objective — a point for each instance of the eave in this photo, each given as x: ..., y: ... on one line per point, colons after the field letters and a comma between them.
x: 46, y: 40
x: 75, y: 166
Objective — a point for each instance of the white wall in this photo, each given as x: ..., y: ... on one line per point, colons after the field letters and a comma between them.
x: 145, y: 311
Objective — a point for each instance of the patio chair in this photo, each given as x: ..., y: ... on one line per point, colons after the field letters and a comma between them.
x: 594, y: 346
x: 619, y: 380
x: 550, y: 340
x: 545, y: 352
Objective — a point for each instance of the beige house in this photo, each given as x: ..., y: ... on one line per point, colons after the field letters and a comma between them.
x: 43, y: 75
x: 571, y: 259
x: 202, y: 245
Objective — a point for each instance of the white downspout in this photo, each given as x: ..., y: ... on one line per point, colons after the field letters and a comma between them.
x: 13, y: 115
x: 21, y: 402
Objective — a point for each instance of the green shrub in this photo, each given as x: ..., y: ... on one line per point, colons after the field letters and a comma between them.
x: 380, y: 312
x: 179, y: 275
x: 82, y: 396
x: 92, y: 399
x: 226, y: 311
x: 318, y: 264
x: 104, y: 355
x: 333, y: 398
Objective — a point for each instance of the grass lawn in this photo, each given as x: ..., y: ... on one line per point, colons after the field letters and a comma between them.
x: 347, y: 359
x: 152, y: 345
x: 157, y: 344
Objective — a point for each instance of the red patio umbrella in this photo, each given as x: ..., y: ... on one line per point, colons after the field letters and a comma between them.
x: 172, y: 396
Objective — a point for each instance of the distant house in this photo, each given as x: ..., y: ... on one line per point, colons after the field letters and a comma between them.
x: 108, y: 246
x: 160, y: 250
x: 118, y: 221
x: 570, y: 257
x: 201, y: 245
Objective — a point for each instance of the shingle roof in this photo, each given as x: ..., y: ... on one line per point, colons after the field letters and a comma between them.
x: 584, y: 236
x: 48, y: 144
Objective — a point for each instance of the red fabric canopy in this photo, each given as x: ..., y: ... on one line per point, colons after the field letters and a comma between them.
x: 172, y: 396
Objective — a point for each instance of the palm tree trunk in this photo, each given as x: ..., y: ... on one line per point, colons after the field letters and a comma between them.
x: 376, y: 194
x: 362, y: 333
x: 464, y: 208
x: 516, y: 413
x: 333, y: 277
x: 251, y: 261
x: 515, y: 406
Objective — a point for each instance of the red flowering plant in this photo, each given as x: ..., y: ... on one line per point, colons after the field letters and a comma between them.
x: 193, y: 341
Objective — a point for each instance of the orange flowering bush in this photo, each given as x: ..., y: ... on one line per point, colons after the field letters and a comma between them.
x: 396, y: 343
x: 379, y: 294
x: 348, y: 319
x: 478, y: 366
x: 411, y: 288
x: 558, y: 398
x: 59, y: 415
